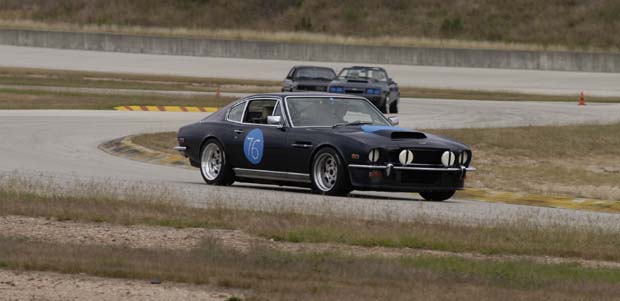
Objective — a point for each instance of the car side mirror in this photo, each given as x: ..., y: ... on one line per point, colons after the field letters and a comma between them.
x: 394, y: 120
x: 277, y: 120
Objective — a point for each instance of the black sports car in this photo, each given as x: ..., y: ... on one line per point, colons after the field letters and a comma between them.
x: 370, y: 82
x: 308, y: 78
x: 333, y: 143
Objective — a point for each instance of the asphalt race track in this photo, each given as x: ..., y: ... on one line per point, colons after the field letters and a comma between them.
x: 63, y: 145
x: 545, y: 82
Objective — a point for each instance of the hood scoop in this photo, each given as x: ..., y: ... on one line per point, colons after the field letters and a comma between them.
x: 407, y: 135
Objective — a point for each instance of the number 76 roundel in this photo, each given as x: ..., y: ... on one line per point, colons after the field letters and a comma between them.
x: 253, y: 146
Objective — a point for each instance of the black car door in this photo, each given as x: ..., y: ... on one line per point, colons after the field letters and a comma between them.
x: 300, y: 143
x: 258, y: 145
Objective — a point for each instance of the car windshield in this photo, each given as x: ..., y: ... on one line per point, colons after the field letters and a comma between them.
x: 363, y: 73
x: 333, y: 111
x: 314, y: 73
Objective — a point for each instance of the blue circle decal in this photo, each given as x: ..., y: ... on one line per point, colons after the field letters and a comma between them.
x: 253, y: 146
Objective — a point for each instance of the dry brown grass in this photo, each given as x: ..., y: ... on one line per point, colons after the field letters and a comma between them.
x: 34, y: 99
x: 432, y: 93
x: 563, y: 25
x: 579, y: 160
x: 161, y: 142
x: 87, y: 79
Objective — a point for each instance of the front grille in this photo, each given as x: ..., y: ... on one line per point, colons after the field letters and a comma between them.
x: 420, y: 156
x: 312, y: 88
x: 354, y: 91
x: 422, y: 178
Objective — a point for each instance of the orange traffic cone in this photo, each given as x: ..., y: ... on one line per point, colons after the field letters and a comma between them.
x: 582, y: 100
x: 217, y: 91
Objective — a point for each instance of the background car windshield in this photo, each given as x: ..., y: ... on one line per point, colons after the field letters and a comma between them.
x: 330, y: 111
x: 315, y: 73
x: 363, y: 73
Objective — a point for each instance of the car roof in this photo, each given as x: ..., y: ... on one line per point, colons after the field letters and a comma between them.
x: 310, y: 66
x: 302, y: 94
x: 365, y: 67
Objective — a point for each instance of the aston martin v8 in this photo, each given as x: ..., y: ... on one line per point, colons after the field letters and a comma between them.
x: 332, y: 143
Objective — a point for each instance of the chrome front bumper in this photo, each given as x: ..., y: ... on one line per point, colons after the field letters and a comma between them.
x: 389, y: 167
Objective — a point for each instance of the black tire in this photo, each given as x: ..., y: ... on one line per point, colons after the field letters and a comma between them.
x: 322, y: 177
x: 383, y: 105
x: 394, y: 107
x: 437, y: 196
x: 225, y: 175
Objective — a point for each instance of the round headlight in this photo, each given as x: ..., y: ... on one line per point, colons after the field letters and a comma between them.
x: 464, y: 158
x: 373, y: 155
x: 448, y: 158
x: 405, y: 157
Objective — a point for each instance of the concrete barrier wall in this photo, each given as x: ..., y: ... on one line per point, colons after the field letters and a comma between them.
x: 477, y: 58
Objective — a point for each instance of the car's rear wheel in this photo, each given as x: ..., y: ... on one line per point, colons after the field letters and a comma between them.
x: 329, y: 174
x: 394, y: 107
x: 214, y: 167
x: 437, y: 195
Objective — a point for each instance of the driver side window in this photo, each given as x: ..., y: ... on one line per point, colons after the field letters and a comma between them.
x: 259, y: 109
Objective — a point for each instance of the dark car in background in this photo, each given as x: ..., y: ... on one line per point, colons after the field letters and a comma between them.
x: 308, y: 78
x: 333, y: 143
x: 372, y: 83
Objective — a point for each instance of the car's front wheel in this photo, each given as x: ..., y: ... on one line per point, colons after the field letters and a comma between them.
x: 437, y: 195
x: 329, y: 174
x: 394, y: 107
x: 214, y: 167
x: 383, y: 107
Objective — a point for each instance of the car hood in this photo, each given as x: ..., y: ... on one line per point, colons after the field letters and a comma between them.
x: 397, y: 137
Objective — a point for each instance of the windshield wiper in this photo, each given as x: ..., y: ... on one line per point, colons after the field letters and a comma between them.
x: 356, y: 122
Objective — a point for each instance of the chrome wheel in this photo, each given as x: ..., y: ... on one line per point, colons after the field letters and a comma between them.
x: 211, y: 161
x: 325, y: 172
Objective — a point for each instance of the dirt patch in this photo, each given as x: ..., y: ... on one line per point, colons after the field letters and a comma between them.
x: 170, y: 238
x: 27, y: 285
x: 101, y: 233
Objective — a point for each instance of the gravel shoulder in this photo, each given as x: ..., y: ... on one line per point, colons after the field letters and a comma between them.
x: 33, y: 285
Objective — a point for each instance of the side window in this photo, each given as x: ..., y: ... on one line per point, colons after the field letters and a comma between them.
x: 236, y: 112
x: 258, y: 110
x: 291, y: 73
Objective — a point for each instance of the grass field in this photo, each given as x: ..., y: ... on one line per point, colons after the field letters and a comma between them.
x: 568, y: 25
x: 576, y: 161
x: 272, y: 274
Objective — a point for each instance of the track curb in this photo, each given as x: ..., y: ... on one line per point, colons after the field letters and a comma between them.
x: 539, y: 200
x: 166, y: 109
x: 124, y: 147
